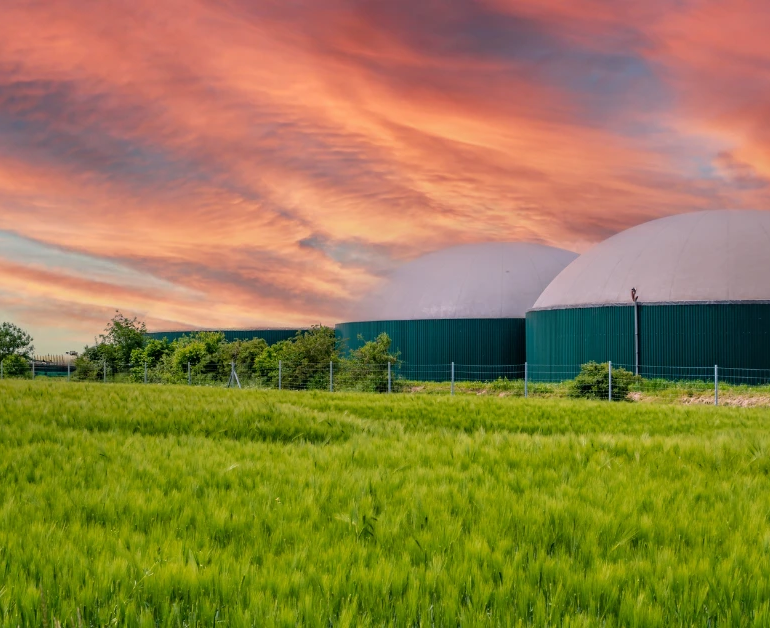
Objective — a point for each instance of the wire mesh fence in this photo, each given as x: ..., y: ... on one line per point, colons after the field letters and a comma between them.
x: 609, y: 381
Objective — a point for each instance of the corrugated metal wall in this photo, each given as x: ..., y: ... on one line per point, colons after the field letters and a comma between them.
x: 732, y: 335
x: 427, y: 347
x: 674, y: 340
x: 271, y: 336
x: 559, y: 341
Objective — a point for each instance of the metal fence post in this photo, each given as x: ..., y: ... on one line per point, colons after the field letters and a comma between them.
x: 389, y: 386
x: 68, y: 370
x: 105, y: 371
x: 233, y: 376
x: 189, y: 375
x: 2, y: 363
x: 33, y: 368
x: 145, y: 372
x: 526, y: 378
x: 609, y: 364
x: 331, y: 376
x: 280, y: 374
x: 716, y: 385
x: 452, y: 390
x: 636, y: 334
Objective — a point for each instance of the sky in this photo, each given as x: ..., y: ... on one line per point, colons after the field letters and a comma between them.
x: 234, y: 163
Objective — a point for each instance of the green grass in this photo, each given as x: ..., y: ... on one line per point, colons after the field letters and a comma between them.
x: 647, y: 390
x: 176, y: 506
x: 650, y: 390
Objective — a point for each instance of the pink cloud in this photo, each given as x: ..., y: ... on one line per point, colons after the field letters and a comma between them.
x: 277, y: 161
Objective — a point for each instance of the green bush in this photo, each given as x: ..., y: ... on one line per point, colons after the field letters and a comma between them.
x: 87, y: 369
x: 16, y: 366
x: 366, y: 369
x: 265, y: 366
x: 244, y: 353
x: 593, y: 382
x: 199, y: 350
x: 154, y: 354
x: 305, y: 359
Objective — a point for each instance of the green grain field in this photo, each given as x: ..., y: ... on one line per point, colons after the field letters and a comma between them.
x: 174, y: 506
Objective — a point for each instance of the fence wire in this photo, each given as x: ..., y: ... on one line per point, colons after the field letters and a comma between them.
x: 620, y: 381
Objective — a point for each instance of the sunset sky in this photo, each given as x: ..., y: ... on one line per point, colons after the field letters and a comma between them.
x: 266, y: 162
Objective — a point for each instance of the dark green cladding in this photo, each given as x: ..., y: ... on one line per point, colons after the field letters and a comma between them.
x: 271, y: 336
x: 427, y: 347
x: 675, y: 340
x: 559, y: 341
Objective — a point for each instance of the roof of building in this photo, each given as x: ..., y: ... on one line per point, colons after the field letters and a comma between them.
x: 493, y: 280
x: 711, y: 256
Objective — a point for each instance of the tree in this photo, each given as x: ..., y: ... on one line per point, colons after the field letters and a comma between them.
x: 199, y: 350
x: 244, y: 353
x: 266, y: 363
x: 375, y: 352
x: 16, y: 366
x: 124, y: 335
x: 15, y: 341
x: 154, y: 353
x: 318, y: 345
x: 367, y: 367
x: 305, y: 359
x: 87, y: 367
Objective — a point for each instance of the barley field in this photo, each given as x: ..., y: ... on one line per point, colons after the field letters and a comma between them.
x: 131, y: 505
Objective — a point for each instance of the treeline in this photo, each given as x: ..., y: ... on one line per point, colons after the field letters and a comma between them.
x: 16, y: 350
x: 301, y: 362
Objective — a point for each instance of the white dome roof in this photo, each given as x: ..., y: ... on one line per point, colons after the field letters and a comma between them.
x: 705, y: 256
x: 495, y: 280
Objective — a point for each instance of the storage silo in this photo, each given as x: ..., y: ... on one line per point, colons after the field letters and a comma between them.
x: 465, y: 304
x: 702, y: 287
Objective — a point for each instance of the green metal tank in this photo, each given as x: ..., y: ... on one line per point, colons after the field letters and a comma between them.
x: 701, y: 297
x: 481, y: 348
x: 465, y: 304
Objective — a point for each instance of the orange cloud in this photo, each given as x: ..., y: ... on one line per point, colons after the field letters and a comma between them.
x: 275, y: 160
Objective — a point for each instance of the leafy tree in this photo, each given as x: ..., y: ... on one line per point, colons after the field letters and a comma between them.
x: 193, y: 353
x: 87, y: 366
x: 593, y: 382
x: 317, y: 345
x: 15, y: 341
x: 123, y: 335
x: 155, y: 350
x: 16, y: 365
x: 200, y: 350
x: 367, y: 367
x: 305, y: 359
x: 266, y: 363
x: 375, y: 352
x: 153, y: 356
x: 243, y: 352
x: 100, y: 353
x: 211, y: 339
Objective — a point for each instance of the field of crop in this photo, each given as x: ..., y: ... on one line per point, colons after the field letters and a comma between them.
x: 183, y: 506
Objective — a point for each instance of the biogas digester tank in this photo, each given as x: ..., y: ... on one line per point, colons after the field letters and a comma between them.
x: 702, y: 283
x: 465, y: 304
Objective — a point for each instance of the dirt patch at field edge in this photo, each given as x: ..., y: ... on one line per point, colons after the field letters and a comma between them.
x: 737, y: 401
